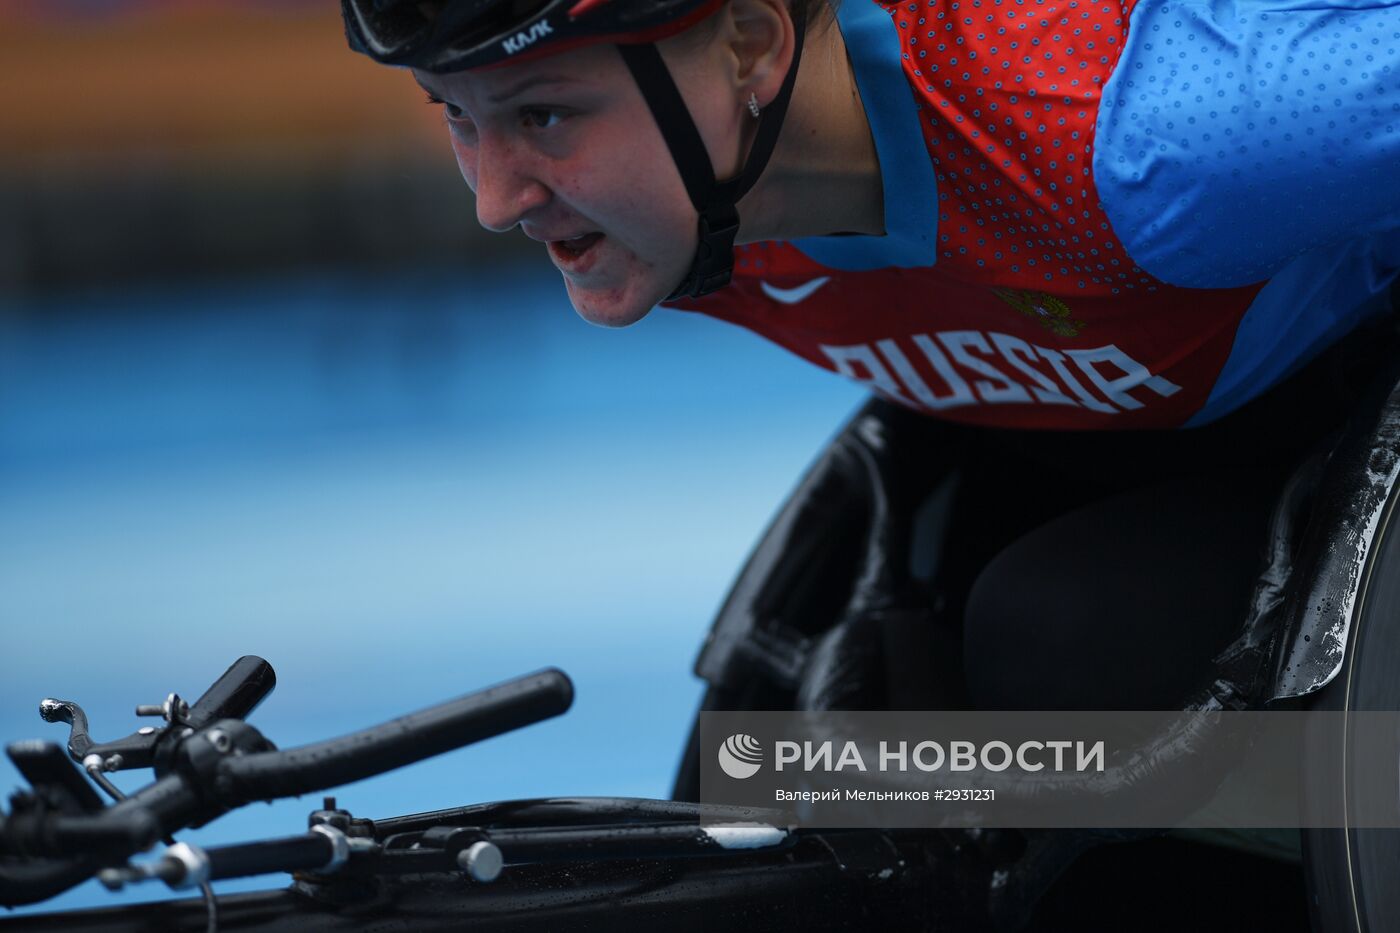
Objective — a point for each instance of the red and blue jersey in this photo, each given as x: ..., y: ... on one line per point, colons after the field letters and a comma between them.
x: 1099, y: 214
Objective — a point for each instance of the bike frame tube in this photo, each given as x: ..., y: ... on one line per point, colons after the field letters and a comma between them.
x: 868, y: 878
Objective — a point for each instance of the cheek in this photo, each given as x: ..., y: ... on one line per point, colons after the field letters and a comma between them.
x: 597, y: 184
x: 612, y: 197
x: 721, y: 129
x: 639, y: 199
x: 465, y: 153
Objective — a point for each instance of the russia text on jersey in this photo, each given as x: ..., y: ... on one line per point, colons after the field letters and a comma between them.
x: 956, y: 368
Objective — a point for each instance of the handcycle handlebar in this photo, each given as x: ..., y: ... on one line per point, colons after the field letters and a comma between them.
x: 660, y: 861
x: 58, y: 834
x: 399, y: 742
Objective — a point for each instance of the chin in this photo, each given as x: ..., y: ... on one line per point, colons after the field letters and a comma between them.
x: 611, y: 307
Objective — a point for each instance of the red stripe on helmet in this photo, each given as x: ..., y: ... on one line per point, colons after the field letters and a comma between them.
x: 584, y: 7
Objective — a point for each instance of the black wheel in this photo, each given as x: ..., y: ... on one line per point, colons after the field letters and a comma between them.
x: 1354, y: 874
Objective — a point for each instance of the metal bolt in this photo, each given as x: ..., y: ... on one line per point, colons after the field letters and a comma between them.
x: 220, y: 740
x: 166, y: 869
x: 146, y: 730
x: 174, y: 708
x: 114, y: 879
x: 482, y: 861
x: 113, y: 763
x: 171, y: 710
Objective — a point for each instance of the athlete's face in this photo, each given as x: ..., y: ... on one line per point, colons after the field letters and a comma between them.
x: 566, y: 148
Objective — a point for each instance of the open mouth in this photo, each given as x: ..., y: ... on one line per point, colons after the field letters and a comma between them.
x: 570, y: 251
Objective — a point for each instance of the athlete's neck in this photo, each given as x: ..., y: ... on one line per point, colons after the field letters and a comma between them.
x: 824, y: 175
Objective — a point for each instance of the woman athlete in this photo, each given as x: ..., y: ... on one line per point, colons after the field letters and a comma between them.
x: 1130, y: 258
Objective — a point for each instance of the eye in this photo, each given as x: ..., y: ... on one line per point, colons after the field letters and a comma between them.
x: 540, y: 118
x: 452, y: 110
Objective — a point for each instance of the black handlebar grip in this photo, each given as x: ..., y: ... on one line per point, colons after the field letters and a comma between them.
x: 471, y: 718
x: 109, y: 834
x: 236, y: 693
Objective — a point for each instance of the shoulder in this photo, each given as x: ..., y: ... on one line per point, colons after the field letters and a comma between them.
x: 1233, y: 137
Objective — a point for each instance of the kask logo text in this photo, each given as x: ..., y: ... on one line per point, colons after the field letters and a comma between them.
x: 523, y: 40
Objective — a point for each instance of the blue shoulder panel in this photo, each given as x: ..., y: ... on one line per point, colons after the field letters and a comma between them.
x: 1240, y: 141
x: 1235, y: 135
x: 906, y: 171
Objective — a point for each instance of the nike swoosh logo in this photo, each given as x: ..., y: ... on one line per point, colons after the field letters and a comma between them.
x: 791, y: 296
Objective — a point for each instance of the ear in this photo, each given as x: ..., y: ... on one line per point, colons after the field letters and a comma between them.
x: 760, y: 41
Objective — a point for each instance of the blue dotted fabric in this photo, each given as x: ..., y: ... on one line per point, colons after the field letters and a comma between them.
x: 1236, y: 136
x: 1240, y: 142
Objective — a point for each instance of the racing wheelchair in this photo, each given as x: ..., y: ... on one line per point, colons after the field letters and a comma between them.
x: 1320, y: 631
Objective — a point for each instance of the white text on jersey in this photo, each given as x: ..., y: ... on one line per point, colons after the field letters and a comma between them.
x: 933, y: 373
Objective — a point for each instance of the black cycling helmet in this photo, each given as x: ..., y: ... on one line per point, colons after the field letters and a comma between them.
x: 458, y: 35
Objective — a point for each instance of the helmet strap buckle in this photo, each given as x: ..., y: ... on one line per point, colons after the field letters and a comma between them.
x: 714, y: 256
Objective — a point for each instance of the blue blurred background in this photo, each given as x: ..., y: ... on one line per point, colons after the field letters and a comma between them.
x: 233, y: 420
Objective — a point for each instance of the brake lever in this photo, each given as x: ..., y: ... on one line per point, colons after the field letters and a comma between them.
x: 236, y: 693
x: 79, y: 742
x: 134, y: 751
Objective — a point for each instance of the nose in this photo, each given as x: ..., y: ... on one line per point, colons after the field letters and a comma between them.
x: 506, y: 187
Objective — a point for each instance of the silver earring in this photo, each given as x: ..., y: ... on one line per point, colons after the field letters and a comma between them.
x: 753, y: 105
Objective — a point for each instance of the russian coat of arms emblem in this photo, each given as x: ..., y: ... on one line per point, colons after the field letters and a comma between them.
x: 1051, y: 312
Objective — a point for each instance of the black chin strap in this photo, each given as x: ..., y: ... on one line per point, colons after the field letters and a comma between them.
x: 715, y: 200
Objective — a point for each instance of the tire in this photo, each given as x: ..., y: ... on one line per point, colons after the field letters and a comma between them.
x: 1351, y: 873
